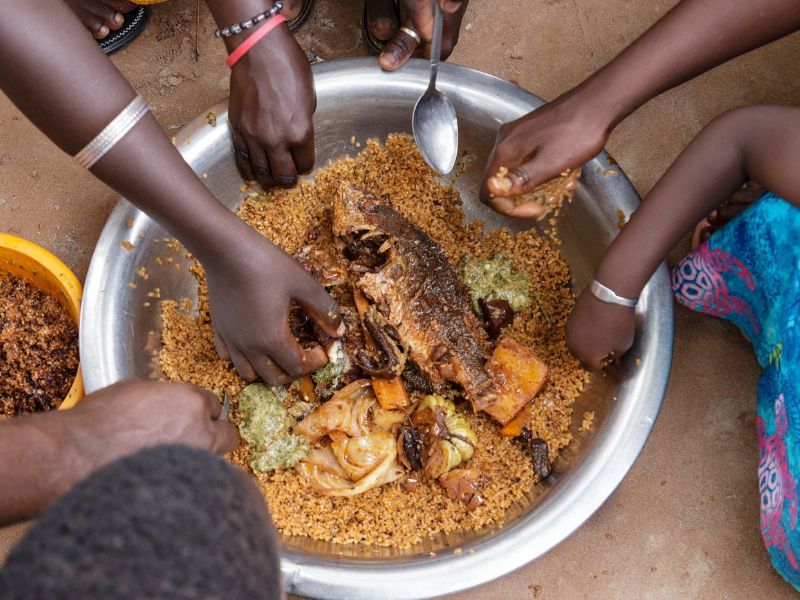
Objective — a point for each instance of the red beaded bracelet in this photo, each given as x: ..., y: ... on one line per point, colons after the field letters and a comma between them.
x: 254, y: 38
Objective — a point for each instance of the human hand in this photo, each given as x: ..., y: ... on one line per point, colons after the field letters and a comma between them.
x: 270, y: 111
x: 598, y: 331
x: 539, y: 146
x: 251, y: 289
x: 132, y: 415
x: 417, y: 15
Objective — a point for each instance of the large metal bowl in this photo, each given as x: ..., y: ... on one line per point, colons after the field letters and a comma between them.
x: 355, y: 98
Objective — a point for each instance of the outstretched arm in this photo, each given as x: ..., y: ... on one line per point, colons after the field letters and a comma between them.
x: 44, y: 455
x: 760, y: 143
x: 692, y: 38
x: 71, y: 92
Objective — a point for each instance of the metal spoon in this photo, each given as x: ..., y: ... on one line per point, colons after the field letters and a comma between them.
x: 434, y: 121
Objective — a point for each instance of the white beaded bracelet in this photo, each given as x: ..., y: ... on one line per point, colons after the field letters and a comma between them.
x: 112, y: 133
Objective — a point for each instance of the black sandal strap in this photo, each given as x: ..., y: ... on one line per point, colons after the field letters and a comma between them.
x: 133, y: 26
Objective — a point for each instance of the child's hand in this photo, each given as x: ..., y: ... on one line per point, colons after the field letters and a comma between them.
x: 250, y: 288
x: 541, y: 145
x: 598, y: 331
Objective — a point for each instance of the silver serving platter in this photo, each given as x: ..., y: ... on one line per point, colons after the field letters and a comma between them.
x: 355, y: 98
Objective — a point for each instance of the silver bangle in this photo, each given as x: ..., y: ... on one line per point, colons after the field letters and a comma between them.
x: 249, y: 23
x: 112, y: 133
x: 608, y: 295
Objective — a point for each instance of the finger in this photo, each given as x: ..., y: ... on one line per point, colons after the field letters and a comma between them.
x: 271, y: 372
x: 222, y: 347
x: 398, y: 50
x: 242, y: 157
x: 303, y: 156
x: 243, y: 366
x: 320, y: 306
x: 511, y: 207
x: 522, y: 178
x: 282, y: 165
x: 450, y: 7
x: 214, y: 405
x: 260, y: 165
x: 226, y: 438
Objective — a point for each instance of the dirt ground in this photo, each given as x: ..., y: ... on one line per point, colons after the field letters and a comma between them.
x: 685, y: 521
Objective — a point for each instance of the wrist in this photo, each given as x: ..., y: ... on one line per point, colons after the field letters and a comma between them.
x: 619, y: 279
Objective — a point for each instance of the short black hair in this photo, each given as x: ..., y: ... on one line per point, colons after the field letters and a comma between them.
x: 167, y: 522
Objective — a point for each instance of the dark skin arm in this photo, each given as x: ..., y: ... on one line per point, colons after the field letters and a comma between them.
x: 71, y: 91
x: 272, y: 100
x: 760, y: 143
x: 44, y: 455
x: 695, y: 36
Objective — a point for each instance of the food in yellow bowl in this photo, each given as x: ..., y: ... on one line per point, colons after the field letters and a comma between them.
x: 39, y: 314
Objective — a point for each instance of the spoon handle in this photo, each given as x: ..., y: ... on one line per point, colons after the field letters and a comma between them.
x: 436, y: 43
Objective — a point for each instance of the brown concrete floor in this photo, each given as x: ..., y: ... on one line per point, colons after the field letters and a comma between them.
x: 685, y: 521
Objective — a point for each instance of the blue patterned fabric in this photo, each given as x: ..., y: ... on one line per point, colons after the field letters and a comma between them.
x: 748, y: 273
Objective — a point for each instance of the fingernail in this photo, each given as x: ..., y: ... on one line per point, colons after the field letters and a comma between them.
x: 341, y: 329
x: 119, y: 19
x: 388, y: 59
x: 103, y: 32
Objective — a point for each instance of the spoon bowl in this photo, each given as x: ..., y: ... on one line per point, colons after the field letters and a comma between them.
x: 435, y: 130
x: 434, y: 122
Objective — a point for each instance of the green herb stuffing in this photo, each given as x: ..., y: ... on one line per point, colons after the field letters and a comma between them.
x: 267, y: 428
x: 495, y: 279
x: 328, y: 377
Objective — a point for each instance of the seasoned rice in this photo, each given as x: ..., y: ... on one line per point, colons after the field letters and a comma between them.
x: 391, y: 515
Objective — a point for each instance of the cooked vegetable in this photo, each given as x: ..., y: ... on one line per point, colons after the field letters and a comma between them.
x: 359, y: 455
x: 515, y: 426
x: 353, y: 410
x: 326, y: 475
x: 327, y: 379
x: 518, y: 374
x: 449, y: 440
x: 391, y: 393
x: 383, y: 357
x: 409, y: 448
x: 497, y: 314
x: 495, y: 278
x: 537, y: 447
x: 267, y: 427
x: 463, y: 485
x: 307, y: 390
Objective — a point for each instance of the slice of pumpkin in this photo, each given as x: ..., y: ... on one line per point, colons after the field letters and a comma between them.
x: 518, y: 374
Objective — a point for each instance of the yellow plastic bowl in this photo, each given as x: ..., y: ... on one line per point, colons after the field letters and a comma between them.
x: 42, y: 269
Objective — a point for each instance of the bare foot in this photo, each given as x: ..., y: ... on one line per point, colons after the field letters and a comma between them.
x: 749, y: 193
x: 382, y: 19
x: 101, y: 16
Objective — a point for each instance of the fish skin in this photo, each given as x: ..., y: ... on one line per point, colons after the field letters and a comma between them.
x: 420, y: 294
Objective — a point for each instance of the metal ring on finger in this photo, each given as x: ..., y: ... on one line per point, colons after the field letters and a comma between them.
x: 412, y: 33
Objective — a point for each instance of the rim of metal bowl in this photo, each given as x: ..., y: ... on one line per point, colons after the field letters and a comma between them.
x: 555, y: 516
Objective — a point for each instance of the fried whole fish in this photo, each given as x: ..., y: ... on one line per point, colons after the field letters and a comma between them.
x: 407, y: 276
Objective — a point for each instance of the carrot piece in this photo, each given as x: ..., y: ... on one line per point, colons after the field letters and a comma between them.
x: 307, y: 389
x: 514, y: 427
x: 391, y: 393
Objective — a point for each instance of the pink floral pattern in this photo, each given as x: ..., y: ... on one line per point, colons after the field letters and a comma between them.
x: 699, y: 285
x: 776, y: 483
